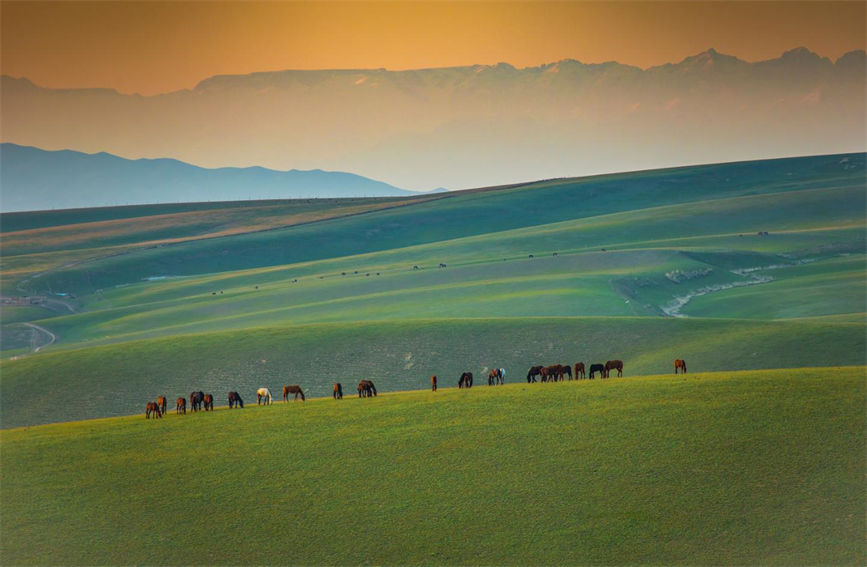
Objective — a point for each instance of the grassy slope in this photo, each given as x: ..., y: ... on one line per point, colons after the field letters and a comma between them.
x: 732, y: 468
x: 398, y: 355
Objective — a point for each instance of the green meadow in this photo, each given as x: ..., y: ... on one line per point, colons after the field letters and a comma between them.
x: 728, y: 468
x: 753, y: 272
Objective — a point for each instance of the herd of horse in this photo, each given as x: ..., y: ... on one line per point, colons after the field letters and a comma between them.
x: 553, y: 373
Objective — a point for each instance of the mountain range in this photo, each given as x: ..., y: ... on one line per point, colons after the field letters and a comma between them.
x: 467, y: 126
x: 35, y: 179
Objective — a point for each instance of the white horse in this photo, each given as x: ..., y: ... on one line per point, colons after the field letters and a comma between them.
x: 263, y: 394
x: 502, y: 375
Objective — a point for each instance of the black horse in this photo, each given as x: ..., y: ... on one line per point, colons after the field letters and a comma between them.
x: 533, y: 372
x: 196, y: 400
x: 600, y: 368
x: 466, y: 380
x: 235, y: 399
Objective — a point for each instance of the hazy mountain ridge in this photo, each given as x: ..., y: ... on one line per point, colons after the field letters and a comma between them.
x: 35, y: 179
x: 472, y: 125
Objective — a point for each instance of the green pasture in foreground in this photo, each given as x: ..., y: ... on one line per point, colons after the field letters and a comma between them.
x: 732, y: 468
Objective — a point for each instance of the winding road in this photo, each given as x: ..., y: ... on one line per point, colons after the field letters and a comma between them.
x: 51, y: 336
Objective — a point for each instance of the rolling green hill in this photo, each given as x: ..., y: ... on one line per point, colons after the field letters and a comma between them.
x: 730, y: 266
x: 733, y: 468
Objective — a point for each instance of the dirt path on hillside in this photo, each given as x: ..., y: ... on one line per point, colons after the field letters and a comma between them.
x: 51, y: 336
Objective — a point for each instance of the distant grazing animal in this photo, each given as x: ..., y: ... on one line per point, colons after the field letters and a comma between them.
x: 502, y: 376
x: 550, y: 373
x: 680, y: 363
x: 594, y: 368
x: 181, y: 406
x: 161, y: 401
x: 565, y: 369
x: 235, y: 400
x: 466, y: 380
x: 493, y: 376
x: 533, y: 372
x: 209, y: 402
x: 152, y: 408
x: 366, y: 389
x: 579, y: 370
x: 433, y: 383
x: 293, y: 389
x: 614, y: 365
x: 196, y: 400
x: 337, y: 394
x: 263, y: 396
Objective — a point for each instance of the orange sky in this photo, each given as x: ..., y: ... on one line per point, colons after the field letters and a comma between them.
x: 154, y: 47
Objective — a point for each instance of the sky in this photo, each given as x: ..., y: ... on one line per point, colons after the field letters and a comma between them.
x: 157, y: 47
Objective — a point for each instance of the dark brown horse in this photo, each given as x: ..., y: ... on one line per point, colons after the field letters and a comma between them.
x: 579, y: 370
x: 680, y: 363
x: 294, y: 389
x: 433, y: 383
x: 466, y: 380
x: 614, y: 365
x: 209, y: 402
x: 533, y: 372
x: 235, y: 400
x: 196, y: 400
x: 551, y: 373
x: 337, y: 392
x: 181, y: 406
x: 152, y: 408
x: 161, y: 401
x: 594, y: 368
x: 565, y: 369
x: 366, y: 389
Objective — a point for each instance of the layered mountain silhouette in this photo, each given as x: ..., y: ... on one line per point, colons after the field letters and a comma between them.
x: 468, y: 126
x: 34, y: 179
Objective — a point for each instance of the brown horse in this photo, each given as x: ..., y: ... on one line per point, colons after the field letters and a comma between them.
x: 235, y: 400
x: 209, y: 402
x: 466, y: 380
x: 337, y: 393
x: 181, y: 406
x: 433, y: 383
x: 600, y: 368
x: 533, y: 372
x: 294, y: 389
x: 579, y: 370
x: 565, y: 369
x: 614, y: 365
x: 679, y: 363
x: 161, y: 401
x: 152, y: 408
x: 552, y: 373
x: 366, y: 389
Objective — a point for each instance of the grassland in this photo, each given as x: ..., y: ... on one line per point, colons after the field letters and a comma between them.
x: 165, y: 299
x: 756, y: 467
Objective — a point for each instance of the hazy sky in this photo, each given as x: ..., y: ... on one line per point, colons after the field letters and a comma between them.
x: 154, y: 47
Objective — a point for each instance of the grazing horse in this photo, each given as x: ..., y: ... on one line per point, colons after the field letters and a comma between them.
x: 209, y: 402
x: 161, y: 401
x: 293, y: 389
x: 366, y: 389
x: 680, y: 363
x: 579, y: 370
x: 614, y: 365
x: 433, y: 383
x: 181, y: 406
x: 594, y: 368
x: 533, y: 372
x: 152, y: 408
x: 337, y: 394
x: 466, y: 380
x: 502, y: 376
x: 235, y: 400
x: 551, y: 373
x: 565, y: 369
x: 196, y: 399
x: 493, y: 376
x: 263, y: 396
